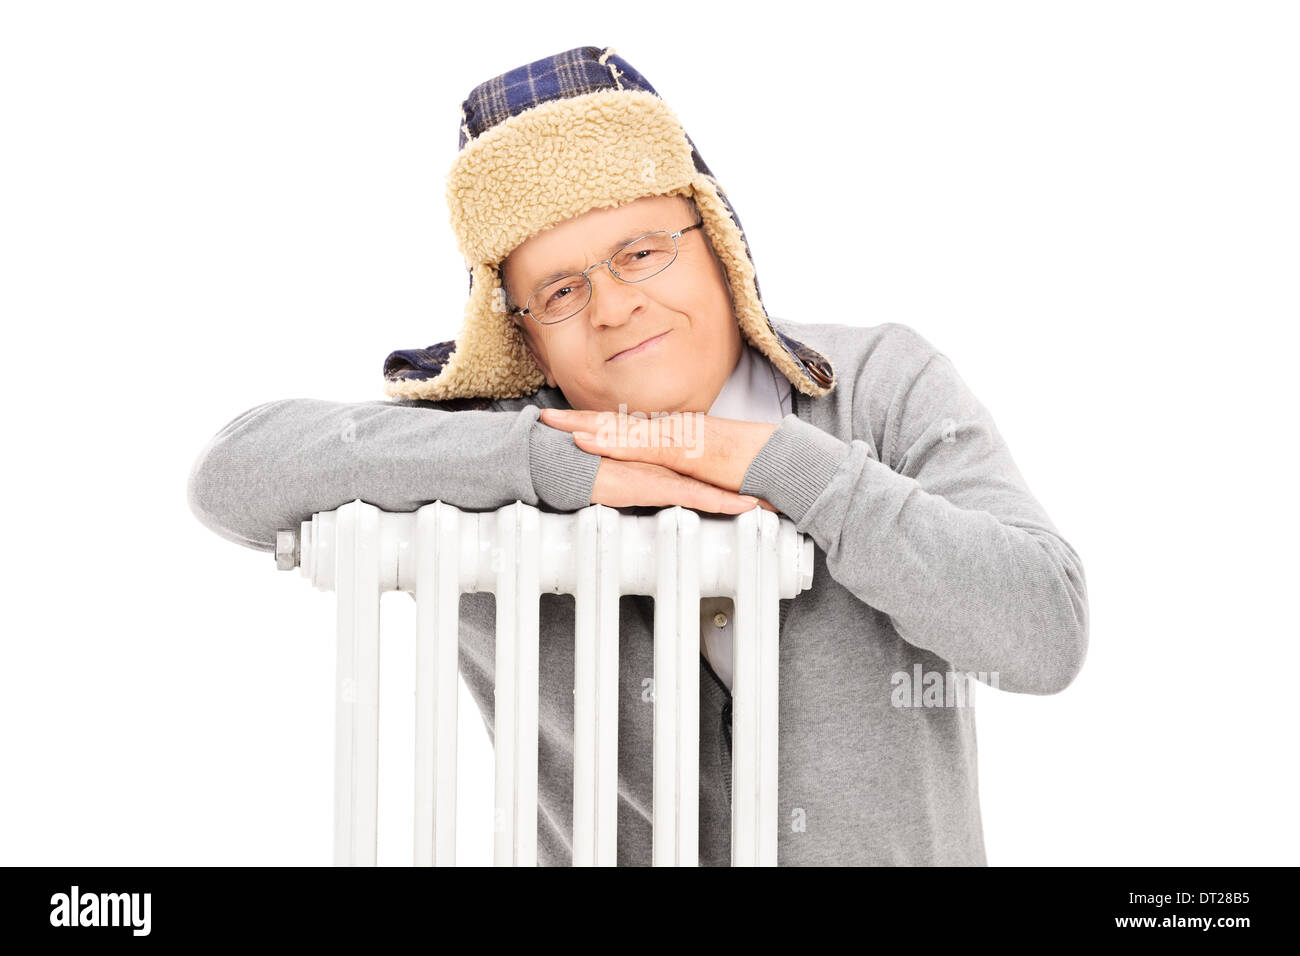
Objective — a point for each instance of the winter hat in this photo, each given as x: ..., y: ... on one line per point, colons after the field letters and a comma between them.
x: 546, y: 142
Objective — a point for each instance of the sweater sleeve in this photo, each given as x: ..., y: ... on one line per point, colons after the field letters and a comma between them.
x: 276, y: 464
x: 949, y: 542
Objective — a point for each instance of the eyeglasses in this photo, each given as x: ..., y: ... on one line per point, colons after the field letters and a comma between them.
x: 639, y: 260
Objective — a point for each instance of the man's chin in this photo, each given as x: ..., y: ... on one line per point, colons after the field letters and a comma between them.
x: 652, y: 401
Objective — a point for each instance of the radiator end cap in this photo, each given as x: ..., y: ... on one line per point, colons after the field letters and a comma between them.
x: 287, y: 554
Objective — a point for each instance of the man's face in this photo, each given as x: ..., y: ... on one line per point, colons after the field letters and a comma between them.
x: 687, y: 304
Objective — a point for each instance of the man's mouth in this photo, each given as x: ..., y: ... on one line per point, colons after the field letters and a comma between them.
x: 637, y: 349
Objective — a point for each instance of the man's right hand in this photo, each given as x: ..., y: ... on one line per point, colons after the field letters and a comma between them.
x: 629, y: 484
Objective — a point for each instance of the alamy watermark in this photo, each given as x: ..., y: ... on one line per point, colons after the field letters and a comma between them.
x: 922, y: 688
x: 101, y: 909
x: 624, y: 429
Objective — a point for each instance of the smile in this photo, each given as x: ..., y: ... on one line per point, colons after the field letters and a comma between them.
x: 643, y: 347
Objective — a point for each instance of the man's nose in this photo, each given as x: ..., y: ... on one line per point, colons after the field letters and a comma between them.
x: 609, y: 297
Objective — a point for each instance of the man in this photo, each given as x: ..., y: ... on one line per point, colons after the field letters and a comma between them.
x: 608, y: 273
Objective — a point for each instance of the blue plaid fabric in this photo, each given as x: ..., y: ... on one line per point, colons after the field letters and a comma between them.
x: 571, y: 73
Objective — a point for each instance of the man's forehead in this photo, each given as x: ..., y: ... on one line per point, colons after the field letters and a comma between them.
x: 595, y: 222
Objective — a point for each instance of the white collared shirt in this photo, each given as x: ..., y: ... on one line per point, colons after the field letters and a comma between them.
x: 754, y: 392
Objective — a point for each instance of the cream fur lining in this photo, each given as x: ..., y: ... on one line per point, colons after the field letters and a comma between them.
x: 551, y: 163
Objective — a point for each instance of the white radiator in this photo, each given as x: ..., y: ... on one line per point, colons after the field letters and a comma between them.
x: 518, y: 553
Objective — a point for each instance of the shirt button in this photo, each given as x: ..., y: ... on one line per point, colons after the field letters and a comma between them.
x: 720, y: 619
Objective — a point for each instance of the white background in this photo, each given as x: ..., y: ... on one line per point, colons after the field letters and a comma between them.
x: 1091, y: 208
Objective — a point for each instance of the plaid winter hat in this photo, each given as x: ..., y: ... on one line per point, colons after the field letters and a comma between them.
x: 546, y: 142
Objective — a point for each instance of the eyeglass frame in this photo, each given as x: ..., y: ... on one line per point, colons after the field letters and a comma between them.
x: 591, y: 286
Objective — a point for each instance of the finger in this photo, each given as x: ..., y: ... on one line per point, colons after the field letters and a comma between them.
x: 733, y: 504
x: 570, y: 419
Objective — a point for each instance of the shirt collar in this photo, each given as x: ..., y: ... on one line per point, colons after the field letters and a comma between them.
x: 753, y: 392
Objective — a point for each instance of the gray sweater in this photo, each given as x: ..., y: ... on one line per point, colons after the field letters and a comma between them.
x: 931, y: 556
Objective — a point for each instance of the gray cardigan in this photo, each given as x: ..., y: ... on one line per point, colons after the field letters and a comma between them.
x: 932, y: 556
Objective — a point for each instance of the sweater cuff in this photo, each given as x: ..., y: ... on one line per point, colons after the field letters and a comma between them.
x: 794, y: 467
x: 563, y: 474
